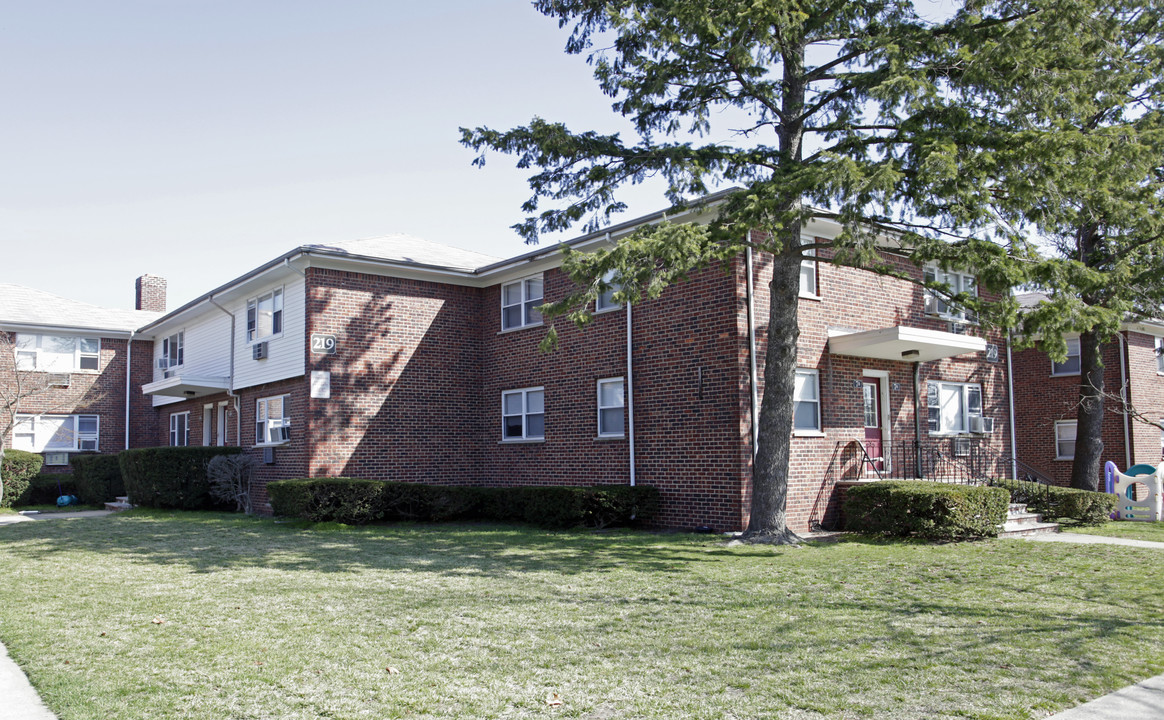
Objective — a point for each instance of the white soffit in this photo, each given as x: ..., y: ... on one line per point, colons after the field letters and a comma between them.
x: 905, y: 344
x: 187, y: 387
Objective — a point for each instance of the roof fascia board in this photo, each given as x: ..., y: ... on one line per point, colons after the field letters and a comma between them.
x: 68, y: 329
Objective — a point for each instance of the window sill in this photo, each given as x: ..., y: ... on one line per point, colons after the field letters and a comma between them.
x: 1070, y: 374
x: 808, y: 434
x: 271, y: 445
x: 607, y: 438
x: 1064, y: 459
x: 809, y: 296
x: 519, y: 329
x: 603, y: 311
x: 522, y: 441
x: 264, y: 339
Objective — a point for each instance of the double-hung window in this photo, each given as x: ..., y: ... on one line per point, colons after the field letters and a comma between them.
x: 519, y: 302
x: 1160, y: 355
x: 265, y: 315
x: 172, y: 351
x: 1065, y: 432
x: 1071, y: 365
x: 273, y: 420
x: 952, y: 405
x: 958, y: 283
x: 57, y: 353
x: 806, y: 402
x: 611, y: 402
x: 179, y: 429
x: 56, y: 433
x: 523, y: 414
x: 808, y: 269
x: 605, y: 300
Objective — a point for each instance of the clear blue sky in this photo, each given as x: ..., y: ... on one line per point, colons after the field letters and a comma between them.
x: 197, y: 139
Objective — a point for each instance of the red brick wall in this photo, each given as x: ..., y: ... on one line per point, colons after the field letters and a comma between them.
x: 858, y: 300
x: 1041, y: 399
x: 1146, y: 396
x: 405, y: 381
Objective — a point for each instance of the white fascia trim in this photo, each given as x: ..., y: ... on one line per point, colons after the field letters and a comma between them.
x: 65, y: 330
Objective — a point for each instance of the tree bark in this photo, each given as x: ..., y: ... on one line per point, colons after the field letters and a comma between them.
x: 1087, y: 467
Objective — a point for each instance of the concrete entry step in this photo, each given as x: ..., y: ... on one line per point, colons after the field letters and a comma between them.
x: 122, y: 503
x: 1013, y: 530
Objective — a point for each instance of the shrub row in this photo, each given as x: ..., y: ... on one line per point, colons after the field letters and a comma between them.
x: 1053, y: 502
x: 357, y: 501
x: 926, y: 509
x: 16, y: 472
x: 97, y: 477
x: 45, y: 488
x: 170, y: 477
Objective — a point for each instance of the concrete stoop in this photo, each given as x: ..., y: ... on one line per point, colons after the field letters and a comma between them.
x: 122, y: 503
x: 1020, y: 523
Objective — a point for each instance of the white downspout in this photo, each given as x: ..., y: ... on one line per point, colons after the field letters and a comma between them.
x: 752, y: 353
x: 230, y: 389
x: 128, y: 383
x: 630, y: 403
x: 1010, y: 399
x: 1124, y: 398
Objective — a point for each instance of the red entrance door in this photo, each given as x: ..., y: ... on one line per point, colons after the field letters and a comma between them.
x: 871, y: 390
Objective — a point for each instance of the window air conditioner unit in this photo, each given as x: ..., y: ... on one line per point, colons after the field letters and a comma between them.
x: 983, y: 425
x: 168, y: 374
x: 163, y: 363
x: 283, y: 433
x: 958, y: 328
x: 60, y: 380
x: 259, y: 350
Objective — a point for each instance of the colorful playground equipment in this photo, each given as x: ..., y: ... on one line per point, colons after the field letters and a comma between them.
x: 1139, y: 492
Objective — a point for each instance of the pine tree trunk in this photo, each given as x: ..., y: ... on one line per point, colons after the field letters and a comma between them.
x: 1087, y: 467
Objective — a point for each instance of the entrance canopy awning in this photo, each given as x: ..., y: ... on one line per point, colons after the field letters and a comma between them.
x: 905, y: 344
x: 185, y: 386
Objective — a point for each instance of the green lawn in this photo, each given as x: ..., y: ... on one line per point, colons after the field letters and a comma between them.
x: 214, y: 616
x: 1132, y: 530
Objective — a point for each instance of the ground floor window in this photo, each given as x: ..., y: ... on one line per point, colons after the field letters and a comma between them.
x: 180, y: 429
x: 611, y: 402
x: 951, y: 406
x: 56, y: 433
x: 273, y: 420
x: 1065, y: 432
x: 523, y: 414
x: 806, y: 402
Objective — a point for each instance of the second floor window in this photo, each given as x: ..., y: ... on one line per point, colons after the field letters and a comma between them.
x: 57, y: 353
x: 1070, y: 366
x: 958, y: 283
x: 265, y: 315
x: 605, y: 300
x: 1160, y: 355
x: 808, y: 268
x: 519, y: 301
x: 48, y: 433
x: 172, y: 351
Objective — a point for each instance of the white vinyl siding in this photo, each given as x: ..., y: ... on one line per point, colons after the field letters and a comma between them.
x: 1065, y: 432
x: 1071, y: 365
x: 806, y: 402
x: 951, y: 405
x: 285, y: 352
x: 57, y: 353
x: 518, y: 302
x: 523, y: 414
x: 611, y: 403
x: 56, y: 433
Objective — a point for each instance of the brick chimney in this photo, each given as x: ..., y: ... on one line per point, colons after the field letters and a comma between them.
x: 151, y: 293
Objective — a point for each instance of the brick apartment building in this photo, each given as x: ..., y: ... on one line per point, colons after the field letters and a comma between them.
x: 1048, y: 395
x: 399, y: 359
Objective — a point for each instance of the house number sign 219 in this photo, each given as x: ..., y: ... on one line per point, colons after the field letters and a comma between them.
x: 322, y: 344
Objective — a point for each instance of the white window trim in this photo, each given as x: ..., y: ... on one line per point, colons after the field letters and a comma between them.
x: 524, y: 301
x: 39, y: 366
x: 1065, y: 423
x: 78, y: 437
x: 603, y: 381
x: 254, y: 302
x: 165, y: 354
x: 932, y: 298
x: 818, y: 431
x: 174, y: 429
x: 283, y: 421
x: 1077, y: 354
x: 1159, y: 355
x: 966, y: 415
x: 525, y: 436
x: 814, y: 265
x: 599, y: 305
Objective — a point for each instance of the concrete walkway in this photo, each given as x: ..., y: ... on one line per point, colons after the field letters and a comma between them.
x: 1142, y: 701
x: 20, y: 701
x: 11, y: 518
x: 1081, y: 539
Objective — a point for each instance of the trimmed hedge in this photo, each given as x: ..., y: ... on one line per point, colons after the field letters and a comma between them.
x: 98, y: 478
x: 45, y: 488
x: 930, y: 510
x: 16, y: 472
x: 170, y: 477
x: 1084, y: 506
x: 358, y: 501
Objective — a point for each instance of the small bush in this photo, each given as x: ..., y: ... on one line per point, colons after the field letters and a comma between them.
x: 1083, y: 506
x: 16, y: 472
x: 230, y: 480
x: 97, y: 477
x: 929, y: 510
x: 45, y: 488
x: 170, y: 477
x: 353, y: 501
